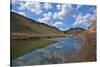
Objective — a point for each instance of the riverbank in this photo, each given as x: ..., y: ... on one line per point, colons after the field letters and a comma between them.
x: 23, y: 43
x: 23, y: 36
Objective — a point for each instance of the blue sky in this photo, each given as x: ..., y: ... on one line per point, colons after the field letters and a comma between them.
x: 60, y: 15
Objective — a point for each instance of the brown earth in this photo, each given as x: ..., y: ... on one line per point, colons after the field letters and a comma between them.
x: 88, y: 51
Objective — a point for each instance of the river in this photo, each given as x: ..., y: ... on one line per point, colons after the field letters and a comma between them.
x: 54, y: 53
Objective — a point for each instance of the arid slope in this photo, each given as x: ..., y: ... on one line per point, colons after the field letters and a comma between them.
x: 88, y: 51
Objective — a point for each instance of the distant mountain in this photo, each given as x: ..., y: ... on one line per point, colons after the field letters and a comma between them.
x: 74, y: 31
x: 21, y: 24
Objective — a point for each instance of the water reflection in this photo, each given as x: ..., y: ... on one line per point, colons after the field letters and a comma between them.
x: 54, y: 53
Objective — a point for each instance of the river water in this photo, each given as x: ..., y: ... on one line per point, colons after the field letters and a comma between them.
x: 54, y: 53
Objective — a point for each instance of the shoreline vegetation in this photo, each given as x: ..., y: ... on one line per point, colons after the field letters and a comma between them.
x: 23, y: 36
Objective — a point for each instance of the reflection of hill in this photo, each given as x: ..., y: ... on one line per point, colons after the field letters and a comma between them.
x: 22, y: 24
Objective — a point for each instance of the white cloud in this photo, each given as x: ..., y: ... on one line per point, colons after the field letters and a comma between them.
x: 78, y: 6
x: 47, y: 6
x: 55, y: 15
x: 21, y: 13
x: 74, y: 16
x: 31, y: 5
x: 86, y: 19
x: 16, y: 1
x: 46, y: 18
x: 13, y: 10
x: 93, y: 9
x: 65, y: 11
x: 59, y: 6
x: 20, y: 2
x: 58, y: 24
x: 21, y: 7
x: 49, y: 14
x: 79, y: 17
x: 34, y: 7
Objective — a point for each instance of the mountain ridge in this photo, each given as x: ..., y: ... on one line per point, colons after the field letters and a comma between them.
x: 74, y: 30
x: 22, y: 24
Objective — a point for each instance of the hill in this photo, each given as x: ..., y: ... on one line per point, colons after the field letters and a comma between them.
x: 26, y: 35
x: 74, y: 31
x: 21, y: 24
